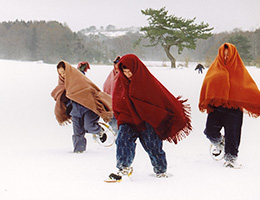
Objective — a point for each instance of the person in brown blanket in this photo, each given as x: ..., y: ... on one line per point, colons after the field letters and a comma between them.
x: 80, y: 100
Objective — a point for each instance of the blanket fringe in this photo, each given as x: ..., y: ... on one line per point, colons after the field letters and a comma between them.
x: 185, y: 131
x: 251, y: 110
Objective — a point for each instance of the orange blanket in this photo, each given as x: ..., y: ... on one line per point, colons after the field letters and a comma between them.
x: 229, y: 85
x: 83, y: 91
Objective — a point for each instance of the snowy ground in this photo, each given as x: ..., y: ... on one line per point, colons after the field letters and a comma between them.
x: 37, y: 162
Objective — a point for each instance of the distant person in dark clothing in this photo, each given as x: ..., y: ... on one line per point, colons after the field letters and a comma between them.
x: 200, y: 67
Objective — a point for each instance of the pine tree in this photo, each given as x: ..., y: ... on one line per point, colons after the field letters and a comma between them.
x: 169, y: 30
x: 243, y: 47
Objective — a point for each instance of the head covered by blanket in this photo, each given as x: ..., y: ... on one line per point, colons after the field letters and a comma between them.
x: 83, y: 91
x: 229, y: 85
x: 110, y: 82
x: 145, y: 99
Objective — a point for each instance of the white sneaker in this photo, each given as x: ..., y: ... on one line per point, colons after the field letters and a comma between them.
x: 217, y: 150
x: 78, y: 151
x: 232, y: 164
x: 162, y: 175
x: 125, y: 171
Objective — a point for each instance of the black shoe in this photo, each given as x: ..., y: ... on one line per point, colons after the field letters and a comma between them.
x: 102, y: 136
x: 115, y: 177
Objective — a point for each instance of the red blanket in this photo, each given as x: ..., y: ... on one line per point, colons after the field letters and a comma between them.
x: 145, y: 99
x: 110, y: 82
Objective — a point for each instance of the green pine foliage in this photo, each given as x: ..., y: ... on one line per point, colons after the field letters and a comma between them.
x: 169, y: 30
x: 243, y: 47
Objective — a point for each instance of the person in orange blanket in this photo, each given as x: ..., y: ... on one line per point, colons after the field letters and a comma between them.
x: 80, y: 99
x: 145, y: 109
x: 228, y: 90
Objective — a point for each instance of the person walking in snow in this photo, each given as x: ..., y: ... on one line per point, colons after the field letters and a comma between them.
x: 79, y: 99
x: 145, y: 109
x: 200, y: 68
x: 109, y: 86
x: 228, y: 90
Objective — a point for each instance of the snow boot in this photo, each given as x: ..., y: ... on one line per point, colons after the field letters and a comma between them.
x: 217, y: 149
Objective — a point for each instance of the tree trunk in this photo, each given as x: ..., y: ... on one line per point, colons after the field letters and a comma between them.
x: 169, y: 55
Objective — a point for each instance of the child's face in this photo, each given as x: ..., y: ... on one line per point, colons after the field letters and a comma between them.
x: 128, y: 73
x: 226, y: 55
x: 61, y: 72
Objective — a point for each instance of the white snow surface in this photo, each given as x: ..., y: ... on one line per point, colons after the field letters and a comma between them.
x: 37, y: 162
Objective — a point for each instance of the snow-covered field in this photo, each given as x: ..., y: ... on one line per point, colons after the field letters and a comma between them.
x: 36, y: 156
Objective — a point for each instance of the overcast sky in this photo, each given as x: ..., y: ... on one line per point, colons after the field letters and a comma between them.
x: 223, y: 15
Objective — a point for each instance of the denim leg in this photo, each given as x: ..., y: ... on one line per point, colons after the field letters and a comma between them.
x: 91, y: 122
x: 153, y: 146
x: 113, y: 124
x: 126, y: 144
x: 78, y: 138
x: 233, y: 132
x: 213, y: 126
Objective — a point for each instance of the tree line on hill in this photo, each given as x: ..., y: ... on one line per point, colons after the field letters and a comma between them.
x: 39, y: 40
x: 52, y: 41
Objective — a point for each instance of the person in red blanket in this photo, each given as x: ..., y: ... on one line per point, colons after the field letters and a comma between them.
x: 145, y: 109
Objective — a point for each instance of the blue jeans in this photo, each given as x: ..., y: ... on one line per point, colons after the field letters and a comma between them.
x: 84, y: 121
x: 231, y: 120
x: 152, y: 144
x: 113, y: 124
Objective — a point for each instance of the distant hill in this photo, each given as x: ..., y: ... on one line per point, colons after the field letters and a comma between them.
x: 109, y: 31
x: 53, y: 41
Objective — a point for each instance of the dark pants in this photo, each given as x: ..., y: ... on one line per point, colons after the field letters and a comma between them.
x: 231, y: 120
x: 84, y: 121
x: 152, y: 144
